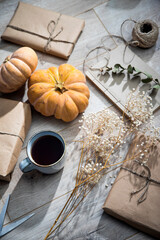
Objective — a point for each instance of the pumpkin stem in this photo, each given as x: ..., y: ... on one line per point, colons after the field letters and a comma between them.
x: 6, y: 60
x: 61, y: 89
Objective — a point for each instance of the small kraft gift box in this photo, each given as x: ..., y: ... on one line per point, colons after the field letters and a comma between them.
x: 43, y: 30
x: 15, y: 120
x: 135, y: 195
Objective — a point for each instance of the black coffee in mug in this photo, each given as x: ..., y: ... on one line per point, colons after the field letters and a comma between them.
x: 47, y: 150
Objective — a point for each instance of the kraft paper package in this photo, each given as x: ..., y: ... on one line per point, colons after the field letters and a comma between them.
x: 15, y: 120
x: 43, y: 30
x: 140, y: 209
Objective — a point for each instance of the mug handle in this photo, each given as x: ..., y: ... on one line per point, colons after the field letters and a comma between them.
x: 26, y: 165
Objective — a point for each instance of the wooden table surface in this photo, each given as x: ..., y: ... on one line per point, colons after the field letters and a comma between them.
x: 38, y: 193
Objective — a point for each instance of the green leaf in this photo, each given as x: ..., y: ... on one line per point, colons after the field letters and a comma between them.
x: 148, y: 75
x: 130, y: 69
x: 137, y: 74
x: 137, y: 70
x: 147, y: 80
x: 114, y: 70
x: 117, y: 65
x: 157, y: 86
x: 118, y: 68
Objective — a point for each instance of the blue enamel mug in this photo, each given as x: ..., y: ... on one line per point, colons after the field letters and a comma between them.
x: 46, y: 153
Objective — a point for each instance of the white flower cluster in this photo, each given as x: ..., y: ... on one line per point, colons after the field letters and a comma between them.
x: 103, y: 130
x: 103, y: 133
x: 140, y: 107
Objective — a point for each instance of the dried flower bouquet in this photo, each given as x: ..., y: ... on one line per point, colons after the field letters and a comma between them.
x: 104, y: 134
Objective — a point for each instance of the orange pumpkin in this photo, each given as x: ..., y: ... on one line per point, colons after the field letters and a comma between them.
x: 16, y: 69
x: 60, y: 92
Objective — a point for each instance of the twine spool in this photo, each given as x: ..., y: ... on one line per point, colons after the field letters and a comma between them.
x: 145, y: 33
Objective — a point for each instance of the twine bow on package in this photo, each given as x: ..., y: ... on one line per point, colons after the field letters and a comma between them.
x: 15, y: 120
x: 138, y: 189
x: 43, y: 30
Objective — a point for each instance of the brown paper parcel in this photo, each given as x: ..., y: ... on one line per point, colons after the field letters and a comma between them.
x: 43, y: 30
x: 119, y: 203
x: 15, y: 120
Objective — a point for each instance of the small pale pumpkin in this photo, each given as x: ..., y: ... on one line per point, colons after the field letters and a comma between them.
x: 17, y: 68
x: 60, y: 92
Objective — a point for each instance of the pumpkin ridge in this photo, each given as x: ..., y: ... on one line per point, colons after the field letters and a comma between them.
x: 5, y: 78
x: 22, y: 60
x: 46, y: 98
x: 55, y: 109
x: 78, y: 92
x: 69, y: 74
x: 43, y: 83
x: 43, y: 95
x: 79, y: 87
x: 64, y: 106
x: 60, y: 110
x: 72, y: 101
x: 32, y: 87
x: 52, y: 76
x: 46, y: 108
x: 81, y: 94
x: 9, y: 62
x: 26, y: 66
x: 68, y: 96
x: 74, y: 83
x: 3, y: 81
x: 72, y: 80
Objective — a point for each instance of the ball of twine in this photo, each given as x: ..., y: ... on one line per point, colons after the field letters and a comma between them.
x: 145, y: 33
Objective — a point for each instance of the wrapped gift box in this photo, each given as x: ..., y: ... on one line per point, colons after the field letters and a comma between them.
x: 142, y: 210
x: 43, y: 30
x: 15, y: 120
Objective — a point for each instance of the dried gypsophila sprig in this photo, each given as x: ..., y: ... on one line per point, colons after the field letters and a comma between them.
x: 139, y: 107
x: 101, y: 130
x: 104, y: 133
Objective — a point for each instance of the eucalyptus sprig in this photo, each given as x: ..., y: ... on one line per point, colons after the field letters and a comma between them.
x: 118, y: 69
